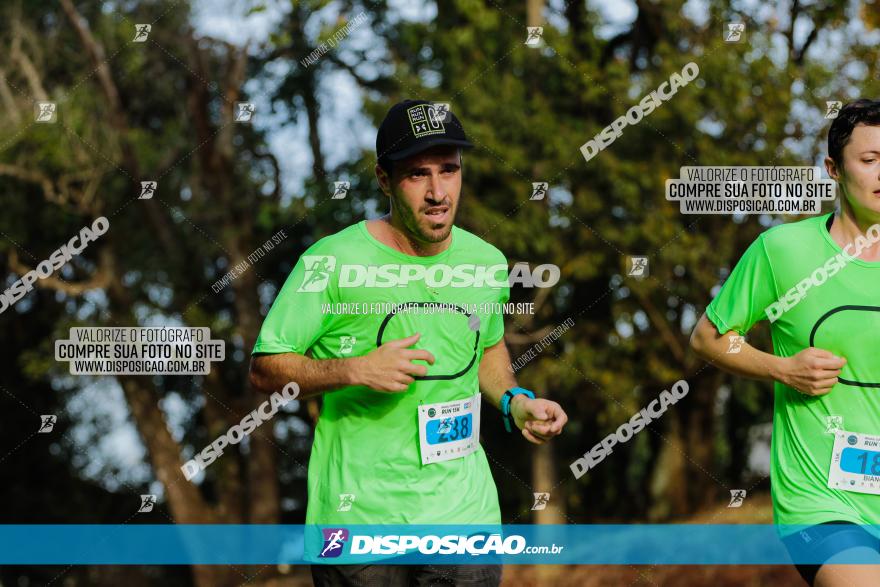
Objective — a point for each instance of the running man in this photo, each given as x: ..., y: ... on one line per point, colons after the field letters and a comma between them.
x: 399, y: 427
x: 818, y: 282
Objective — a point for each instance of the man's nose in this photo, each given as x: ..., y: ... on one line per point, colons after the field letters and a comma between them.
x: 436, y: 191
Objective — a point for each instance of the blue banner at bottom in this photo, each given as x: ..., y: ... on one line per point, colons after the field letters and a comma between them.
x: 627, y: 544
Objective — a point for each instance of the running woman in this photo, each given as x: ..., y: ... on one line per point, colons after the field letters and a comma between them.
x: 401, y: 369
x: 818, y: 282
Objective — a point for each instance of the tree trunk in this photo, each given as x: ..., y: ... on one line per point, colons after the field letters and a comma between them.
x: 543, y: 479
x: 534, y: 8
x: 668, y: 489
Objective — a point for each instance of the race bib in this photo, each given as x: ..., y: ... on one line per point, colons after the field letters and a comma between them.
x: 855, y: 463
x: 449, y: 430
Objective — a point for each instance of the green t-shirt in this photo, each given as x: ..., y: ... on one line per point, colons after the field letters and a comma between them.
x: 803, y: 436
x: 367, y: 442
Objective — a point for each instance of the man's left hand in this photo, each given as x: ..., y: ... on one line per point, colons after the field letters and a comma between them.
x: 539, y: 419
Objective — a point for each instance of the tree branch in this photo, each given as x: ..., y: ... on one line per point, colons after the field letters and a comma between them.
x: 26, y: 65
x: 789, y: 34
x: 8, y: 99
x: 276, y: 173
x: 61, y: 194
x: 96, y: 52
x: 529, y: 338
x: 662, y: 326
x: 31, y: 176
x: 99, y: 280
x: 118, y: 120
x: 379, y: 84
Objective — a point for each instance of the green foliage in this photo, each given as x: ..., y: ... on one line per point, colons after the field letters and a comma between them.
x: 527, y: 110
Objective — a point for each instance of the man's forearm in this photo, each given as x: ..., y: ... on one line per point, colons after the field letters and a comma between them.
x: 747, y: 362
x: 750, y: 362
x: 495, y: 374
x: 270, y: 373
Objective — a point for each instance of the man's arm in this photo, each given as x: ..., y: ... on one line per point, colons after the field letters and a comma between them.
x: 270, y: 373
x: 496, y: 375
x: 539, y: 419
x: 812, y: 371
x: 388, y: 368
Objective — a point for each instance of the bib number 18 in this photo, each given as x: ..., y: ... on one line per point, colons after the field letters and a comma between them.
x: 863, y: 462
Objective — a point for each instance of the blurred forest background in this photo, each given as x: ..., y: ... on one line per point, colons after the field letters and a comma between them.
x: 163, y: 110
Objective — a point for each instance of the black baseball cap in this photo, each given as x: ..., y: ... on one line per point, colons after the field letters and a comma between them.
x: 412, y: 126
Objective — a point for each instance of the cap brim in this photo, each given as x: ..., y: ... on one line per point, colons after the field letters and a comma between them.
x: 427, y: 145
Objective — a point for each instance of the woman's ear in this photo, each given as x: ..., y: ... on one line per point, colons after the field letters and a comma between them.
x: 832, y: 168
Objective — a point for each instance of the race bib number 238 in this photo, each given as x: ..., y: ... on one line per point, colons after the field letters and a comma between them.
x: 449, y: 430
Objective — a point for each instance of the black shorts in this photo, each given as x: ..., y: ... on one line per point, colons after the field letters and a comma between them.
x: 823, y: 541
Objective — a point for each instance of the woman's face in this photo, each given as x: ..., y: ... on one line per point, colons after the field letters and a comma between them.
x: 859, y: 172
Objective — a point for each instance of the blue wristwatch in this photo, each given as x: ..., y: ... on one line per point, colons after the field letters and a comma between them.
x: 505, y: 405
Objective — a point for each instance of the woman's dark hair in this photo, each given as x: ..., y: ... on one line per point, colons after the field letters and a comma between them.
x: 859, y: 112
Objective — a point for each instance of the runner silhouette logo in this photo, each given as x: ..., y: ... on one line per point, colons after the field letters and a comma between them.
x: 318, y: 271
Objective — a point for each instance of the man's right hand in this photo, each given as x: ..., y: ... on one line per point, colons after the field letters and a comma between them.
x: 390, y: 367
x: 812, y: 371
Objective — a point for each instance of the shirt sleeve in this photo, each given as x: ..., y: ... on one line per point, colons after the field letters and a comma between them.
x: 749, y: 290
x: 495, y: 327
x: 297, y: 319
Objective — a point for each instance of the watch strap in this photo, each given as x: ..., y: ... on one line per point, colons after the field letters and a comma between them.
x: 505, y: 405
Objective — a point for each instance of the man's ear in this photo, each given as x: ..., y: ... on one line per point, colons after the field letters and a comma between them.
x: 384, y: 180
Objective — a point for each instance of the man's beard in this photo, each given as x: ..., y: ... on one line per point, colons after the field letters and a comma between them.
x: 417, y: 224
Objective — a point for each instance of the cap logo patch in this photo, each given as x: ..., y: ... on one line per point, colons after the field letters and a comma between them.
x: 425, y: 120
